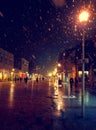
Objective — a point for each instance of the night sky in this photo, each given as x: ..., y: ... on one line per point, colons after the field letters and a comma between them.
x: 41, y: 29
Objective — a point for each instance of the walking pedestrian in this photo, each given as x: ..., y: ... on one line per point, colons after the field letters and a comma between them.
x: 26, y: 79
x: 71, y: 84
x: 37, y: 79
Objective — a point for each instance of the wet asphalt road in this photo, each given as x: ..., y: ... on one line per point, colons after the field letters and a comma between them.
x: 40, y: 106
x: 25, y: 107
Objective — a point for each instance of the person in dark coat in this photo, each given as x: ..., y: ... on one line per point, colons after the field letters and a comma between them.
x: 59, y: 82
x: 26, y: 79
x: 37, y: 79
x: 71, y: 84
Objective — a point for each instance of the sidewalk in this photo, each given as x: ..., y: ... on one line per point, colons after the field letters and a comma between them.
x: 92, y: 89
x: 69, y: 117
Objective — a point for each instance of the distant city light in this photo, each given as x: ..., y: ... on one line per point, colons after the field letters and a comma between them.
x: 59, y: 65
x: 50, y: 74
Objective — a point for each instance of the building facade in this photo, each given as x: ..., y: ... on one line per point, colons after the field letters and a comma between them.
x: 6, y: 65
x: 71, y: 61
x: 23, y: 65
x: 12, y: 68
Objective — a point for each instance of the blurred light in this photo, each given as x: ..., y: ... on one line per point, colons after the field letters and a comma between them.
x: 50, y: 74
x: 13, y: 69
x: 55, y: 70
x: 59, y: 65
x: 59, y: 76
x: 0, y: 75
x: 83, y: 17
x: 86, y: 72
x: 54, y: 73
x: 12, y: 73
x: 5, y: 76
x: 11, y: 95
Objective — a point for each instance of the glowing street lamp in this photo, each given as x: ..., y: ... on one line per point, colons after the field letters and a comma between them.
x: 83, y: 18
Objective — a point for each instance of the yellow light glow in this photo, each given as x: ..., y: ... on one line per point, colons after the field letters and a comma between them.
x: 59, y: 76
x: 5, y: 76
x: 50, y: 74
x: 55, y: 70
x: 54, y: 73
x: 84, y: 16
x: 0, y: 75
x: 12, y: 73
x: 85, y: 72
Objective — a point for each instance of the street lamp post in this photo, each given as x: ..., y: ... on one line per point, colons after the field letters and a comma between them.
x: 83, y: 18
x: 83, y: 74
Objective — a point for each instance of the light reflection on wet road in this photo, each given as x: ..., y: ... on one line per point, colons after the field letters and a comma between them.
x: 35, y: 106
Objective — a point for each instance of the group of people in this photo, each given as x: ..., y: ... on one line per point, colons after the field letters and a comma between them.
x: 25, y: 79
x: 22, y: 79
x: 37, y: 79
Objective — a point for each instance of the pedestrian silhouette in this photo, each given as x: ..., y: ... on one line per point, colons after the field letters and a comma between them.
x: 59, y: 82
x: 71, y: 84
x: 37, y: 79
x: 26, y: 79
x: 20, y: 79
